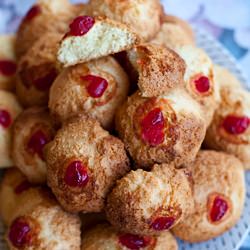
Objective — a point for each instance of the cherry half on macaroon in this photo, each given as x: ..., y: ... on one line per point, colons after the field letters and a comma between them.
x: 5, y: 118
x: 152, y: 127
x: 23, y: 186
x: 201, y: 84
x: 80, y: 26
x: 218, y: 207
x: 236, y: 125
x: 163, y: 223
x: 135, y: 242
x: 32, y: 13
x: 36, y: 142
x: 76, y: 174
x: 7, y: 68
x: 96, y: 85
x: 20, y: 234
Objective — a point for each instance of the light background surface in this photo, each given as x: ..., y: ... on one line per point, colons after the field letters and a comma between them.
x: 227, y: 20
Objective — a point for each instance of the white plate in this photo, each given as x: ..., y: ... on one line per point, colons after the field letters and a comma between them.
x: 233, y: 239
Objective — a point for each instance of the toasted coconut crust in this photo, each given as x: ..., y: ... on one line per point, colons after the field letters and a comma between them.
x: 174, y: 32
x: 184, y: 130
x: 31, y: 163
x: 69, y: 94
x: 160, y: 69
x: 236, y: 102
x: 37, y: 64
x: 53, y: 16
x: 141, y: 197
x: 137, y: 14
x: 9, y: 104
x: 105, y: 237
x: 103, y: 155
x: 214, y: 174
x: 7, y: 53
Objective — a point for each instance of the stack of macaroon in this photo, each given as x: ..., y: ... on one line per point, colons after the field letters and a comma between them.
x: 122, y: 133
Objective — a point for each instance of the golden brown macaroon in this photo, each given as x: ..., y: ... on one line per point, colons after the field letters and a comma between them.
x: 105, y: 237
x: 9, y: 110
x: 199, y: 79
x: 160, y: 69
x: 162, y: 129
x: 144, y: 16
x: 37, y: 70
x: 45, y: 15
x: 96, y: 88
x: 8, y: 64
x: 150, y: 202
x: 174, y: 32
x: 219, y: 194
x: 223, y: 77
x: 33, y: 129
x: 13, y: 186
x: 83, y: 163
x: 40, y: 223
x: 90, y: 38
x: 230, y: 128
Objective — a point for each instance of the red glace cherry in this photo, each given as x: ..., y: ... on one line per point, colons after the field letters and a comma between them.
x: 96, y: 85
x: 44, y: 83
x: 7, y: 67
x: 76, y: 175
x: 134, y: 242
x: 152, y: 127
x: 236, y: 124
x: 219, y: 209
x: 37, y: 142
x: 23, y: 186
x: 32, y: 13
x: 163, y: 223
x: 81, y: 25
x: 202, y: 84
x: 5, y: 118
x: 19, y: 233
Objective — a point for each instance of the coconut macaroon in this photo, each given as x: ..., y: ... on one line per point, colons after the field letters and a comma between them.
x: 230, y: 128
x: 162, y: 129
x: 150, y: 202
x: 7, y: 62
x: 199, y: 79
x: 219, y: 193
x: 224, y: 78
x: 174, y: 32
x: 83, y: 163
x: 13, y: 184
x: 90, y: 38
x: 33, y: 129
x: 160, y: 69
x: 96, y: 88
x: 40, y: 223
x: 9, y: 110
x: 37, y: 70
x: 45, y: 15
x: 105, y: 237
x: 144, y: 16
